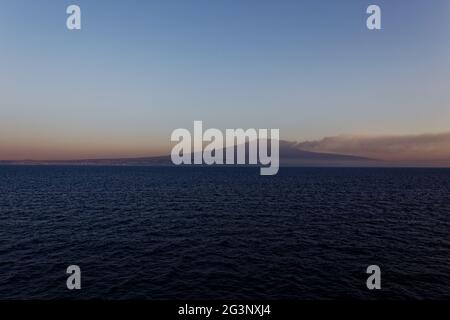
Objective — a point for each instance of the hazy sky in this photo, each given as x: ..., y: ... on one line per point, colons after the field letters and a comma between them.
x: 140, y: 69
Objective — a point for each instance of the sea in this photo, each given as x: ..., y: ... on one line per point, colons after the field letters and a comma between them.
x: 224, y: 233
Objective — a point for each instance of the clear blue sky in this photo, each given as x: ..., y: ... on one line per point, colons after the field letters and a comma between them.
x: 139, y: 69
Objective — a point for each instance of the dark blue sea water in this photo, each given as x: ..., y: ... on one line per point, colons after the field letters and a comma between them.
x: 200, y: 233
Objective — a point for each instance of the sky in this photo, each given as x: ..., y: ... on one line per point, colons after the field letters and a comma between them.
x: 137, y: 70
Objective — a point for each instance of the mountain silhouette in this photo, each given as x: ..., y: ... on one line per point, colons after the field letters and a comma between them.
x: 290, y: 155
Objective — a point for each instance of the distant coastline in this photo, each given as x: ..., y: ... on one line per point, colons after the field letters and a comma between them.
x: 164, y: 161
x: 291, y: 155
